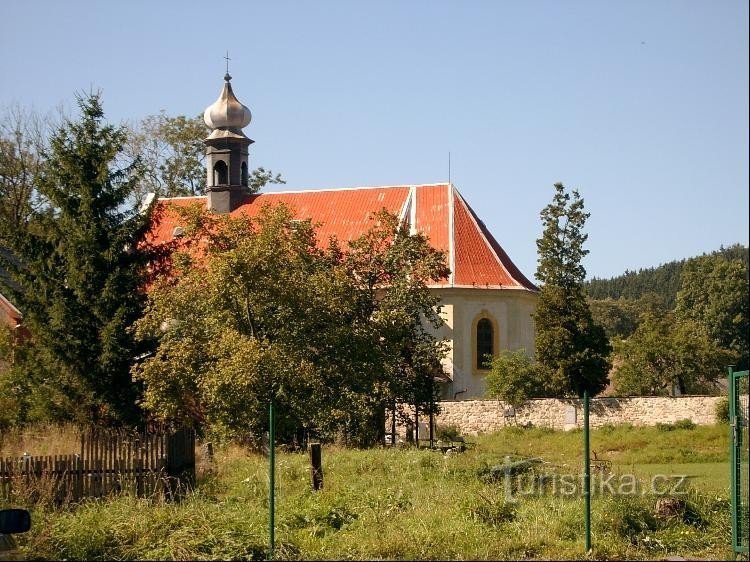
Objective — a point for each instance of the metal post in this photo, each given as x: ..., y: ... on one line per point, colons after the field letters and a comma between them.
x: 432, y: 426
x: 316, y: 466
x: 271, y: 483
x: 416, y: 424
x: 733, y: 431
x: 393, y: 425
x: 586, y: 471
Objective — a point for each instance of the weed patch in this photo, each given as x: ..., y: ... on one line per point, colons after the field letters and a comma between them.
x: 414, y: 504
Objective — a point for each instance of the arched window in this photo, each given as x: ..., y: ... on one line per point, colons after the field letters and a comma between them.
x: 244, y: 174
x: 485, y: 339
x: 221, y: 177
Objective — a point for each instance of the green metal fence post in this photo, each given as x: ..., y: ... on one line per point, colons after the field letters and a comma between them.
x: 271, y: 482
x: 586, y: 471
x: 733, y: 455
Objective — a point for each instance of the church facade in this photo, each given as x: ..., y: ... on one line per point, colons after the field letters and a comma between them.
x: 487, y: 304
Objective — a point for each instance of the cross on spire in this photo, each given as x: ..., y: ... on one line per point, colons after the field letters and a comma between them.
x: 227, y: 59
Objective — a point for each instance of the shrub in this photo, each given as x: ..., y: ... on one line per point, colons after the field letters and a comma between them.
x: 685, y: 423
x: 722, y: 411
x: 607, y: 428
x: 447, y: 432
x: 514, y: 378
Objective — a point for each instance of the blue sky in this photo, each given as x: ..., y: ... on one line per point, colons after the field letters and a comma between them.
x: 641, y: 105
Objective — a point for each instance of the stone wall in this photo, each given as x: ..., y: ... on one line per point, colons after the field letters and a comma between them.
x: 484, y: 416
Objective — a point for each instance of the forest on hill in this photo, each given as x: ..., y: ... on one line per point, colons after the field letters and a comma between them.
x: 662, y: 280
x: 677, y: 325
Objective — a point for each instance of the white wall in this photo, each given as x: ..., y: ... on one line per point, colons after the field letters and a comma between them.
x: 511, y: 311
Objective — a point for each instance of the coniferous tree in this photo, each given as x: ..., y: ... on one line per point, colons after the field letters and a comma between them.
x: 574, y: 350
x: 76, y: 269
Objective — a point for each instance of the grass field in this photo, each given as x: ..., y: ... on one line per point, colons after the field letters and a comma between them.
x: 419, y: 504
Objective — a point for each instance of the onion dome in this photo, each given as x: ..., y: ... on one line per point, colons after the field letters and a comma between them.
x: 227, y: 114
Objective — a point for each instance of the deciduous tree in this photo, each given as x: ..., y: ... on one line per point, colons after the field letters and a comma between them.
x: 667, y: 353
x: 255, y: 309
x: 174, y: 157
x: 714, y: 292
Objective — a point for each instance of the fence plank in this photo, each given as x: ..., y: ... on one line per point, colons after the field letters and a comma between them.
x: 108, y: 462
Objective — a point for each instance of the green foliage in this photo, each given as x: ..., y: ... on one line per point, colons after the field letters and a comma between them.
x: 685, y: 423
x: 621, y: 317
x: 491, y: 509
x: 714, y: 293
x: 391, y: 504
x: 665, y: 352
x: 722, y: 411
x: 447, y: 432
x: 174, y: 157
x: 11, y: 389
x: 514, y: 378
x: 254, y: 309
x: 571, y: 347
x: 77, y: 270
x: 173, y: 154
x: 663, y: 280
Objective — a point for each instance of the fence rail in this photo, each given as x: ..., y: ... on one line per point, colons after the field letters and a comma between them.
x: 109, y: 462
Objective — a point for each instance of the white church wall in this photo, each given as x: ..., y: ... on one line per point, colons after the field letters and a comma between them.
x: 509, y: 311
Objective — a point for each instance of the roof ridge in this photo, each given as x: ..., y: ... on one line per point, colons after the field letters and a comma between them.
x: 303, y: 190
x: 398, y: 186
x: 182, y: 197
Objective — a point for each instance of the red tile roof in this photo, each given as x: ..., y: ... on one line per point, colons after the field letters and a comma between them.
x: 437, y: 210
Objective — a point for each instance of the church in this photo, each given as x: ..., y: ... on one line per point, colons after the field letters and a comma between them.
x: 486, y: 303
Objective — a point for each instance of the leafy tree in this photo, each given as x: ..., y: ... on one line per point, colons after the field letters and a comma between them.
x: 22, y: 144
x: 714, y: 293
x: 77, y: 269
x: 514, y: 378
x: 173, y: 154
x: 665, y: 353
x: 568, y: 343
x: 174, y: 157
x: 620, y: 317
x: 391, y: 270
x: 255, y: 309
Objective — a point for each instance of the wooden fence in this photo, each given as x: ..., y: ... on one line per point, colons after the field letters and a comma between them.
x: 109, y: 462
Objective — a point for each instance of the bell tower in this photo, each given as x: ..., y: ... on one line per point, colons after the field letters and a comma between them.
x: 226, y: 150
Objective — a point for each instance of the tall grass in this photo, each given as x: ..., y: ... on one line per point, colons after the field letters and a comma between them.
x: 40, y: 439
x: 401, y: 504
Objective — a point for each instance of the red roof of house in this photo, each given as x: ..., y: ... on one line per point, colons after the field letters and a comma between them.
x: 9, y: 314
x: 437, y: 210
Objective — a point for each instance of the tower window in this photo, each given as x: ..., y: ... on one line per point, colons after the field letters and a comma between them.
x: 485, y: 343
x: 244, y: 174
x: 221, y: 175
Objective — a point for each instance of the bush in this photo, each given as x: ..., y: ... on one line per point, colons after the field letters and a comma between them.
x: 685, y: 423
x: 447, y: 433
x: 514, y: 378
x: 722, y: 411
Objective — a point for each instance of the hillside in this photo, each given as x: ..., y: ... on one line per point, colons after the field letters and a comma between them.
x: 663, y: 280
